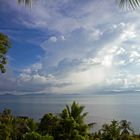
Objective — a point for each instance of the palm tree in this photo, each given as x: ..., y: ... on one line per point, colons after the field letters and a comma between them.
x: 105, y: 128
x: 114, y: 130
x: 111, y: 131
x: 72, y: 123
x: 105, y: 131
x: 76, y: 111
x: 125, y: 129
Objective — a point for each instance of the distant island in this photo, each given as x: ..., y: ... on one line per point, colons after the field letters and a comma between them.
x: 104, y: 92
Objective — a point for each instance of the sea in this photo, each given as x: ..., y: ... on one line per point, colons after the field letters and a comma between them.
x: 101, y: 108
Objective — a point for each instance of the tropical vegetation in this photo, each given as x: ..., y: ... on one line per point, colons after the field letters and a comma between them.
x: 68, y: 125
x: 4, y: 46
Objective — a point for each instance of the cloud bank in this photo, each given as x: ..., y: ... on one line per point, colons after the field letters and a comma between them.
x: 85, y: 48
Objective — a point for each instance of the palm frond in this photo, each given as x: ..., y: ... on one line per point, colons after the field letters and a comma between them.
x: 84, y: 114
x: 91, y: 125
x: 68, y: 109
x: 26, y: 2
x: 129, y: 4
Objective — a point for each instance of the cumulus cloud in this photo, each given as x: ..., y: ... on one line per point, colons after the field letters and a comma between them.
x: 80, y: 61
x: 76, y: 61
x: 7, y: 81
x: 53, y: 39
x: 82, y: 50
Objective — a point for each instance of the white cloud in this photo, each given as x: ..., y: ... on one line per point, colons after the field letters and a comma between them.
x: 124, y: 82
x: 8, y: 83
x: 53, y: 39
x: 63, y: 15
x: 69, y: 61
x: 78, y: 61
x: 87, y: 47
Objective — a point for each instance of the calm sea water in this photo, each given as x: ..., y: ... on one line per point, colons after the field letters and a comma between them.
x: 101, y: 108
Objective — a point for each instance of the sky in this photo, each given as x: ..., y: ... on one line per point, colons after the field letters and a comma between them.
x: 70, y: 46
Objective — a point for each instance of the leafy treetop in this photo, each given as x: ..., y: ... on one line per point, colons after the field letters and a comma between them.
x: 4, y: 46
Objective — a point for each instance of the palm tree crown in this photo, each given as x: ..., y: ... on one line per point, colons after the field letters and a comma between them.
x: 125, y: 126
x: 76, y: 111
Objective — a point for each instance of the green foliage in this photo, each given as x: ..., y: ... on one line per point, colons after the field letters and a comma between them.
x: 32, y: 125
x: 76, y: 111
x: 13, y: 128
x: 6, y: 126
x: 4, y: 46
x: 72, y: 125
x: 48, y: 124
x: 36, y: 136
x: 69, y: 125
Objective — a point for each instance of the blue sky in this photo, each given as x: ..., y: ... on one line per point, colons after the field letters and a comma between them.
x: 68, y: 46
